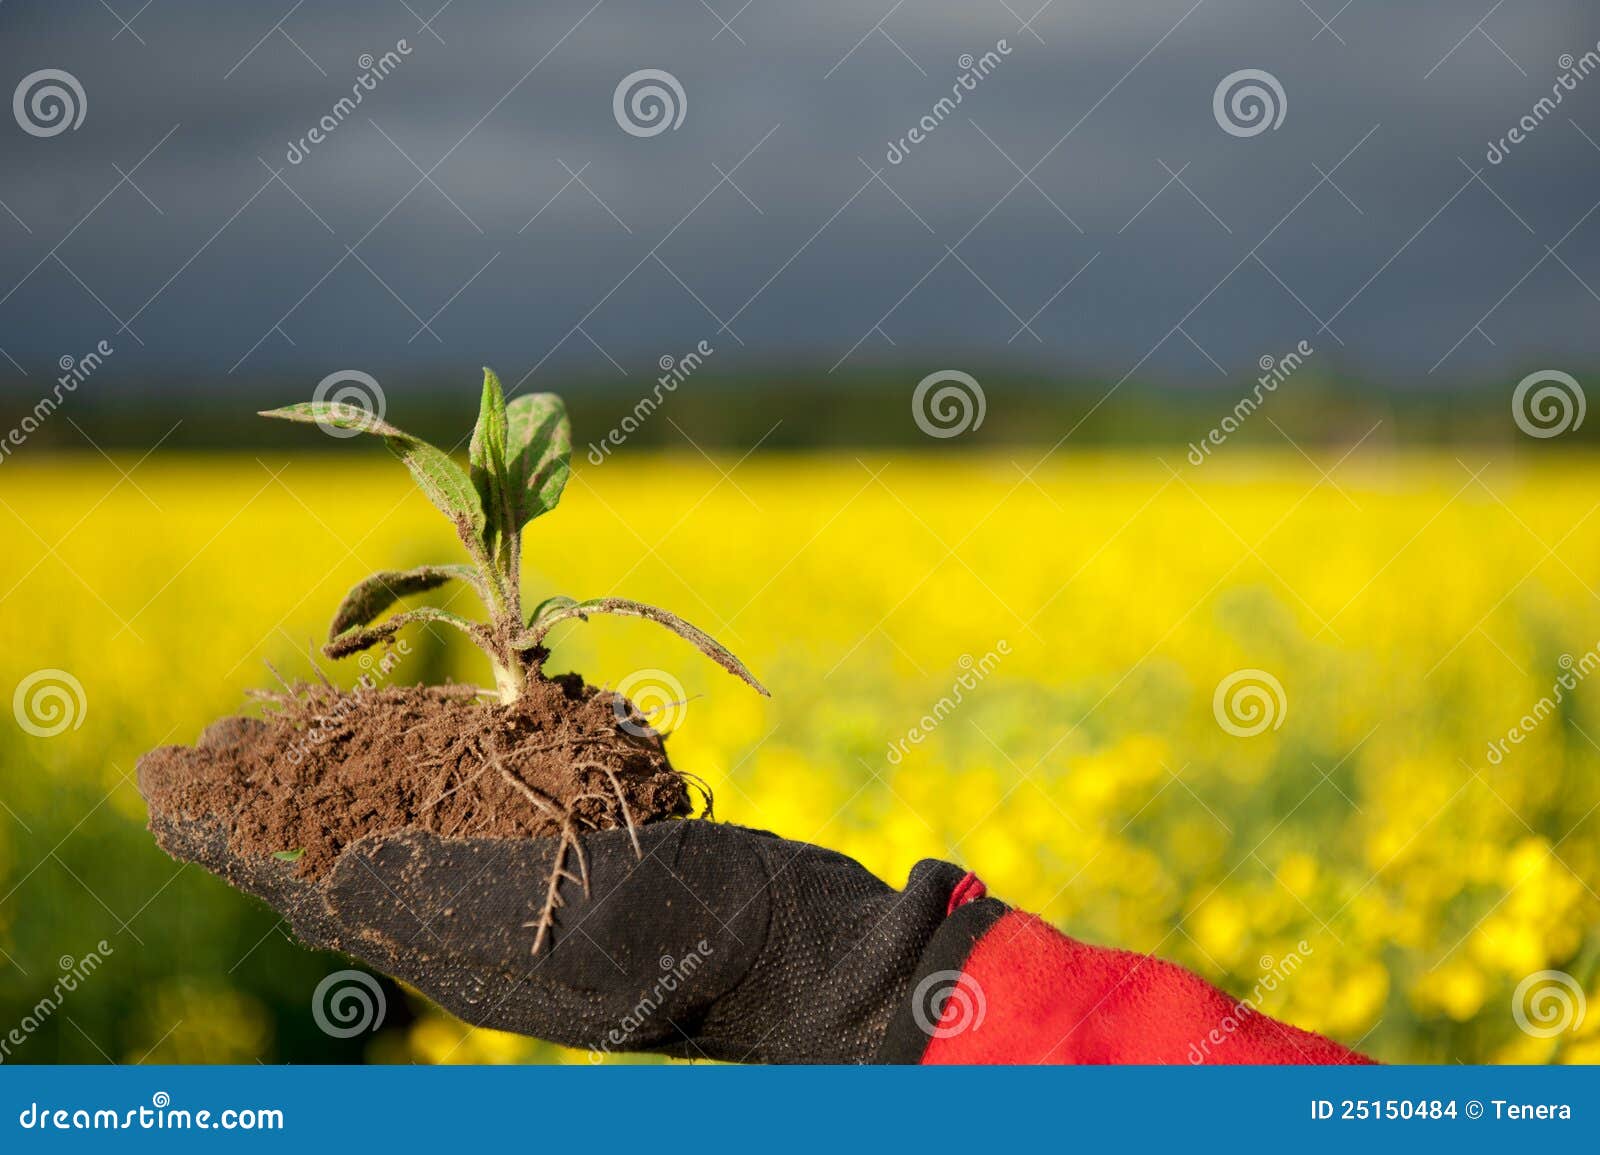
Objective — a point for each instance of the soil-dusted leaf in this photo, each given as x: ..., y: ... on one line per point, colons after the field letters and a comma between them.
x: 705, y: 642
x: 520, y: 459
x: 358, y: 639
x: 548, y: 606
x: 289, y: 855
x: 487, y: 454
x: 370, y: 597
x: 445, y: 483
x: 538, y: 454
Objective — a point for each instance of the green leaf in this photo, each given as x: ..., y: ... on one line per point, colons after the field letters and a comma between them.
x: 545, y: 620
x: 487, y: 454
x: 358, y: 639
x: 443, y: 481
x: 289, y: 855
x: 370, y: 597
x: 538, y: 454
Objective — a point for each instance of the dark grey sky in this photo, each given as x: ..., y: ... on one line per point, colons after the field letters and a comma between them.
x: 549, y: 241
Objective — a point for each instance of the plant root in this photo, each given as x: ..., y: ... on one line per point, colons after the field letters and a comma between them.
x: 329, y: 767
x: 700, y: 784
x: 558, y: 871
x: 627, y: 815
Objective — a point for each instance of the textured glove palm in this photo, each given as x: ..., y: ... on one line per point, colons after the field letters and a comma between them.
x: 709, y: 941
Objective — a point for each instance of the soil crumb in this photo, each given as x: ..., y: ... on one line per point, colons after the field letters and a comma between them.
x: 326, y: 767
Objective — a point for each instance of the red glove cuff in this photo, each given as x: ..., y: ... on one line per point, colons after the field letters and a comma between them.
x: 1028, y: 994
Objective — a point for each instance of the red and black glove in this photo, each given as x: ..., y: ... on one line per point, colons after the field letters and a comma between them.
x: 709, y: 940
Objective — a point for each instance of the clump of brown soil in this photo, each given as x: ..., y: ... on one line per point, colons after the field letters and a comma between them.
x: 325, y: 768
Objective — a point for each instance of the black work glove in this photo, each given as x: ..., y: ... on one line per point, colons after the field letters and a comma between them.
x: 707, y: 941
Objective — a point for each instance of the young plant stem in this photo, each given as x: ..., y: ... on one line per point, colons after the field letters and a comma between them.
x: 511, y: 680
x: 504, y: 603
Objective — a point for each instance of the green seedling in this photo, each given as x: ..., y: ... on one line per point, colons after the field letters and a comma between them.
x: 520, y: 457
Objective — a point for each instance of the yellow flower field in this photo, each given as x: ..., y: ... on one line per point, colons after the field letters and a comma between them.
x: 1412, y: 609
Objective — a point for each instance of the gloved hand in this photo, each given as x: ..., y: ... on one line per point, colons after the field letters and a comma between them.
x: 709, y: 940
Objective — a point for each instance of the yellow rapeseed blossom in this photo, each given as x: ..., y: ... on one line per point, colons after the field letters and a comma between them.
x: 1408, y: 619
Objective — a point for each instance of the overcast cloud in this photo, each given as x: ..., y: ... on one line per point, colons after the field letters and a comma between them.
x: 550, y: 241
